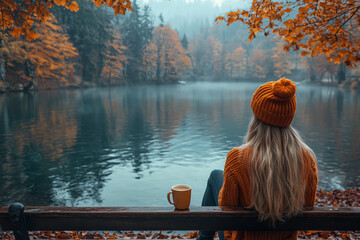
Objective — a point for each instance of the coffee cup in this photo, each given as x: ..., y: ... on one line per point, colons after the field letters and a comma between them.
x: 181, y: 195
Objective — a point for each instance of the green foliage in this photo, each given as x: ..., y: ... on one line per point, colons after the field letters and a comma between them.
x: 184, y: 42
x: 89, y: 31
x: 137, y: 32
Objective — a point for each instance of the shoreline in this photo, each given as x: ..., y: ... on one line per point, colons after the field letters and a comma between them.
x: 351, y: 85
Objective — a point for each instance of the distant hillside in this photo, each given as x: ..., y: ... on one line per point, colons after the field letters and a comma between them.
x: 190, y: 16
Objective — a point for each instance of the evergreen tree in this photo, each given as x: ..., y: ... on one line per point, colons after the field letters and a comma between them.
x: 137, y: 34
x: 161, y: 18
x: 133, y: 41
x: 147, y: 28
x: 147, y: 24
x: 184, y: 42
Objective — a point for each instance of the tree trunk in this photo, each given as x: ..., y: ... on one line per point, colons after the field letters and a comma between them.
x: 158, y: 62
x: 341, y: 74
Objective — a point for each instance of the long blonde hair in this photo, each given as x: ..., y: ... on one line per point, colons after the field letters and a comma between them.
x: 276, y: 170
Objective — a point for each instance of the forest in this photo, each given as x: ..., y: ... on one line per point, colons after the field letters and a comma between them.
x: 83, y: 45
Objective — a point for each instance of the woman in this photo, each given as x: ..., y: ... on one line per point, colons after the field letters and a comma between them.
x: 273, y: 172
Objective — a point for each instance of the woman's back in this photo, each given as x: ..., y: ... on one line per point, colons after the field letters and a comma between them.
x: 236, y: 190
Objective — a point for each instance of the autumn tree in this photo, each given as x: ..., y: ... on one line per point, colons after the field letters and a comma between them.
x: 281, y: 60
x: 218, y: 57
x: 18, y: 17
x: 201, y: 51
x: 112, y: 72
x: 47, y: 61
x: 150, y: 62
x: 261, y: 65
x: 171, y: 59
x: 316, y: 27
x: 235, y: 63
x: 208, y: 57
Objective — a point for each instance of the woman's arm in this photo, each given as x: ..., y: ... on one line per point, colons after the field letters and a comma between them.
x: 229, y: 193
x: 228, y: 196
x: 311, y: 184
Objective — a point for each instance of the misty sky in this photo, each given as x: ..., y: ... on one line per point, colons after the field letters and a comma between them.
x: 179, y: 13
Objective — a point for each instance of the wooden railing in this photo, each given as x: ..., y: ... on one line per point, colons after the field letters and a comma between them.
x: 20, y: 219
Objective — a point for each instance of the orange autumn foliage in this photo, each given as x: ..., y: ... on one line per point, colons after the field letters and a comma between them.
x: 258, y: 65
x: 235, y: 63
x: 316, y: 27
x: 282, y: 63
x: 46, y: 60
x: 165, y: 57
x: 112, y: 72
x: 17, y: 17
x: 218, y: 57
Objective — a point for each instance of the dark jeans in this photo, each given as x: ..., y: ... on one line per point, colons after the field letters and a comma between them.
x: 210, y: 198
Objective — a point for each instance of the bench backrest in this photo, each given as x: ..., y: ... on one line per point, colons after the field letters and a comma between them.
x: 166, y: 218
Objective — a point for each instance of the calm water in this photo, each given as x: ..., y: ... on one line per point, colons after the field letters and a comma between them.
x: 126, y: 146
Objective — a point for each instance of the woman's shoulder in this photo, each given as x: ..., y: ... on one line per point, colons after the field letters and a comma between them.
x: 310, y: 161
x: 238, y: 151
x: 237, y: 154
x: 309, y: 157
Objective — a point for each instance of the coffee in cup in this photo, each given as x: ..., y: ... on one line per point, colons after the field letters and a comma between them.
x: 181, y: 195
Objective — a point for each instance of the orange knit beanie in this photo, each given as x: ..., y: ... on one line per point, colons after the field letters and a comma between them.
x: 274, y: 103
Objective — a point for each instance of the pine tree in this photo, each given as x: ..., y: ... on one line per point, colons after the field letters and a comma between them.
x: 137, y: 34
x: 147, y: 24
x: 147, y: 28
x: 134, y: 44
x: 161, y: 18
x: 184, y: 42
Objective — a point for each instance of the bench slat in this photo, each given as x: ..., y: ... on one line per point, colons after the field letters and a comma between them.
x: 166, y: 218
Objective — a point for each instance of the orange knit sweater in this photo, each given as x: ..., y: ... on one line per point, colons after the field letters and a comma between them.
x: 236, y: 192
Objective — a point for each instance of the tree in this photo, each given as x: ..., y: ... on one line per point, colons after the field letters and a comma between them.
x: 261, y: 65
x: 17, y: 17
x: 112, y: 72
x: 137, y: 33
x: 235, y: 63
x: 201, y: 52
x: 147, y: 24
x: 184, y: 42
x: 149, y: 65
x: 147, y: 28
x: 161, y: 19
x: 317, y: 27
x: 47, y: 61
x: 171, y: 59
x: 282, y: 63
x: 218, y: 58
x: 89, y: 30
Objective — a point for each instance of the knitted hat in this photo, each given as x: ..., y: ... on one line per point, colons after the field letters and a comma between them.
x: 274, y: 103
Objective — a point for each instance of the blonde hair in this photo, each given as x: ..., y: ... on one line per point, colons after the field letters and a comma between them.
x: 276, y: 170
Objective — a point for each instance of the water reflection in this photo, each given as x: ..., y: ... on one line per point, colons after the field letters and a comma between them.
x: 123, y: 145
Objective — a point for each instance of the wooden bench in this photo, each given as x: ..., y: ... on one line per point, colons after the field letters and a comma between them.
x: 20, y: 219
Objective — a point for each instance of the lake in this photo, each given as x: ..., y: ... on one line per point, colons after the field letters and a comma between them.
x: 126, y: 146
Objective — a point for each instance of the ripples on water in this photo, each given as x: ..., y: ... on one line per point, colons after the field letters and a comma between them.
x: 126, y: 146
